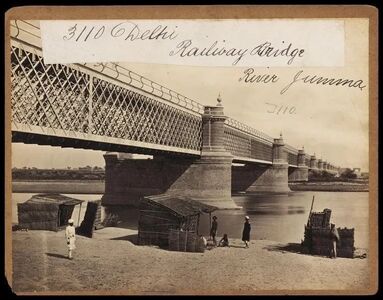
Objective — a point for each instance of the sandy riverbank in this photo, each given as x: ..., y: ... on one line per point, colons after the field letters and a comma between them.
x: 112, y: 262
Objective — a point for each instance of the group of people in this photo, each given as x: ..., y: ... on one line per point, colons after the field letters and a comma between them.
x: 70, y: 236
x: 224, y: 242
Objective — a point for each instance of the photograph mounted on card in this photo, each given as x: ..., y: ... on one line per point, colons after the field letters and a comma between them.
x: 199, y: 150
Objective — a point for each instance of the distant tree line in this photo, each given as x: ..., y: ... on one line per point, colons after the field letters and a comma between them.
x: 58, y: 174
x: 348, y: 174
x: 323, y: 175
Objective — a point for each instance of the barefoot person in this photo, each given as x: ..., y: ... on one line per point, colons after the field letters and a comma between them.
x: 213, y: 230
x: 70, y: 235
x: 224, y: 242
x: 246, y: 232
x: 334, y: 235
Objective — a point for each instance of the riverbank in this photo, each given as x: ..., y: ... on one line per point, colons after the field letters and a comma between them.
x: 112, y: 262
x: 98, y: 186
x: 329, y: 186
x: 59, y: 186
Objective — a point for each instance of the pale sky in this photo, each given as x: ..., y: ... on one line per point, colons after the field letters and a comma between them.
x: 330, y: 121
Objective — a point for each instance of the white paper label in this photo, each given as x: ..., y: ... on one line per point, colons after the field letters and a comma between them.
x: 280, y: 42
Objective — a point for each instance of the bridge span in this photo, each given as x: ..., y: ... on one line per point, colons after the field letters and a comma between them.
x: 110, y: 108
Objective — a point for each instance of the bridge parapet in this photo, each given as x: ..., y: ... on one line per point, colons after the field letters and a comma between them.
x: 246, y: 143
x: 28, y: 33
x: 90, y: 103
x: 292, y: 155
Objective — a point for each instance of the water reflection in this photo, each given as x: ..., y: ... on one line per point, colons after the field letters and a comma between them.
x: 282, y: 217
x: 272, y: 217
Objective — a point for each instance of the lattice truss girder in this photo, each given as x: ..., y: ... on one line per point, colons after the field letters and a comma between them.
x: 61, y: 97
x: 53, y: 96
x: 243, y: 145
x: 122, y: 113
x: 292, y: 158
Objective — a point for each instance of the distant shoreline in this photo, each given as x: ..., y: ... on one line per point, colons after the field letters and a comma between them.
x: 329, y: 186
x: 59, y: 186
x: 98, y: 186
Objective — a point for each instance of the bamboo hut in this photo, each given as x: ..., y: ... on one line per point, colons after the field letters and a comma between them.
x: 170, y: 221
x: 46, y: 211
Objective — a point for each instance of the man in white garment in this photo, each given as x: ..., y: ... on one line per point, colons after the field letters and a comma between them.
x: 70, y: 235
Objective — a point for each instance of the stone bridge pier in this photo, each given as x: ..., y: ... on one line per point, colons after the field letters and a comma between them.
x: 320, y: 165
x: 313, y: 166
x: 256, y: 177
x: 301, y: 172
x: 206, y: 179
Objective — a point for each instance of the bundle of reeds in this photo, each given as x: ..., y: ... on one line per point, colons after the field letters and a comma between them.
x: 321, y: 243
x: 345, y: 247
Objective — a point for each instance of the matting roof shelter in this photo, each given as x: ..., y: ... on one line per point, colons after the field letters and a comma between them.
x: 161, y: 213
x: 46, y: 211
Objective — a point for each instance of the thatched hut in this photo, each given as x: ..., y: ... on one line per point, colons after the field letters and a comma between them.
x: 46, y: 211
x: 163, y: 215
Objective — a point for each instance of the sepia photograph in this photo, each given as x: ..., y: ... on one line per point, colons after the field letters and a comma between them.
x: 191, y: 150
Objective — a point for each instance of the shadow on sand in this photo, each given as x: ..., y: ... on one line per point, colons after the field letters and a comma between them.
x: 297, y: 248
x: 131, y: 238
x: 290, y: 247
x: 236, y: 246
x: 57, y: 255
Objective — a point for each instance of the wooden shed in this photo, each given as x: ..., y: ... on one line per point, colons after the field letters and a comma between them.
x: 161, y: 214
x: 46, y: 211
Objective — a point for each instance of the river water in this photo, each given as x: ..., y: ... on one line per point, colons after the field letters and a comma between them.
x: 272, y: 217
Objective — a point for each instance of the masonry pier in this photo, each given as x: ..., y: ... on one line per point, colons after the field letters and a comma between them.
x: 261, y: 177
x: 206, y: 179
x: 299, y: 173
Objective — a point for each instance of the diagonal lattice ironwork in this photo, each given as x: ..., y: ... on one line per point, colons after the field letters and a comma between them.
x: 245, y: 142
x: 122, y: 113
x: 291, y: 154
x: 62, y: 97
x: 108, y: 103
x: 292, y: 158
x: 52, y: 96
x: 307, y: 160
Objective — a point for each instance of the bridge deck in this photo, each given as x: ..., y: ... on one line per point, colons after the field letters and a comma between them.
x: 108, y: 107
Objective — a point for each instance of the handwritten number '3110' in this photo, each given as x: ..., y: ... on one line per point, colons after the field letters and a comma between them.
x: 283, y: 109
x: 85, y: 32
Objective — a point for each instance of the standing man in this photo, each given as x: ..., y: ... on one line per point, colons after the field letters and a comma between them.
x: 213, y: 230
x: 334, y: 236
x: 70, y: 235
x: 246, y: 232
